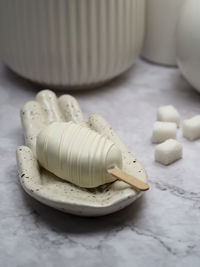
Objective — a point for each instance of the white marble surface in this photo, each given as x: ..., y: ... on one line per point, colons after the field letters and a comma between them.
x: 160, y: 229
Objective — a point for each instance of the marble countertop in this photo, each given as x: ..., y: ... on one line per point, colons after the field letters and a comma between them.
x: 160, y: 229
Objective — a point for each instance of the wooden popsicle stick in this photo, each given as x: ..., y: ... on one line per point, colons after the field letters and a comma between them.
x: 132, y: 181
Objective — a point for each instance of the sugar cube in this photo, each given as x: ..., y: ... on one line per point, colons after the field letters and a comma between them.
x: 163, y: 131
x: 168, y: 152
x: 191, y: 128
x: 169, y: 114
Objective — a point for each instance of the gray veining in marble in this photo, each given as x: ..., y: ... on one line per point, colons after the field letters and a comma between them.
x: 160, y: 229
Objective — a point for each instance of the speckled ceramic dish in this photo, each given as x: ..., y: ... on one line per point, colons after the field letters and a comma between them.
x: 51, y: 190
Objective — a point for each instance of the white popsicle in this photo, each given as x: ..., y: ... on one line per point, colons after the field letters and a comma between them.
x: 82, y: 156
x: 77, y: 154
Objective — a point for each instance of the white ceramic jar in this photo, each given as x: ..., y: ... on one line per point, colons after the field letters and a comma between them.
x: 73, y: 43
x: 188, y: 42
x: 160, y: 40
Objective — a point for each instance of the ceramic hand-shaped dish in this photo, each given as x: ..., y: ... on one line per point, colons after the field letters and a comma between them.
x: 55, y: 192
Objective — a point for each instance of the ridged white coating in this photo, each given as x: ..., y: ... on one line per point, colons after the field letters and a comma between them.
x: 71, y: 42
x: 77, y: 154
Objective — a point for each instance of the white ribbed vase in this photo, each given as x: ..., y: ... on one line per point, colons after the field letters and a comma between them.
x: 70, y: 42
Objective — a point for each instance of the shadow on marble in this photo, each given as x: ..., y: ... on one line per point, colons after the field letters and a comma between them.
x: 11, y: 79
x: 66, y: 223
x: 182, y: 85
x: 14, y: 80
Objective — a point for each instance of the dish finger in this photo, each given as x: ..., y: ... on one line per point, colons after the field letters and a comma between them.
x: 28, y: 168
x: 33, y: 120
x: 49, y: 103
x: 71, y: 109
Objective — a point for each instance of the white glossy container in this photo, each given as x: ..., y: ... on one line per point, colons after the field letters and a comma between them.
x: 188, y: 42
x: 160, y: 40
x: 73, y: 43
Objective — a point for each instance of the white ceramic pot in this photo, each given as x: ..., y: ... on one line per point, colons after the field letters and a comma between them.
x: 160, y: 40
x: 71, y: 42
x: 188, y: 42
